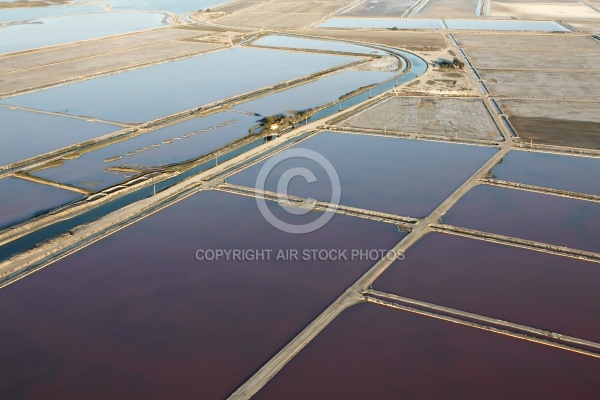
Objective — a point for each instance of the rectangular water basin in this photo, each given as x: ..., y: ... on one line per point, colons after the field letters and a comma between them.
x: 43, y: 32
x: 533, y: 216
x: 527, y: 287
x: 373, y: 352
x: 404, y: 177
x: 577, y: 174
x: 28, y: 134
x: 143, y: 94
x: 176, y: 143
x: 21, y: 199
x: 136, y: 314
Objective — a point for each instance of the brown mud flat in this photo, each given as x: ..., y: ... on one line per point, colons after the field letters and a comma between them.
x: 406, y: 40
x: 555, y: 109
x: 558, y: 132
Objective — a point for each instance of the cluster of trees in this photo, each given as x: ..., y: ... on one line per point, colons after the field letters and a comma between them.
x: 279, y: 122
x: 455, y: 64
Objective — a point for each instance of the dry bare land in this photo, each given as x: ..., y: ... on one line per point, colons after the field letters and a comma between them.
x: 521, y: 41
x: 268, y: 20
x: 592, y: 27
x: 54, y: 73
x: 448, y: 9
x: 536, y: 11
x: 381, y: 8
x: 284, y: 14
x: 52, y: 55
x: 532, y: 59
x: 235, y: 7
x: 405, y: 40
x: 536, y: 2
x: 559, y: 109
x: 466, y: 118
x: 558, y: 84
x: 300, y: 7
x: 223, y: 37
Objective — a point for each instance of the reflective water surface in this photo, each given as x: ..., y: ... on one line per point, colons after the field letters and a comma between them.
x: 28, y: 134
x: 142, y: 95
x: 404, y: 177
x: 526, y: 215
x: 21, y: 199
x: 28, y: 13
x: 179, y: 6
x: 169, y: 145
x: 577, y: 174
x: 314, y: 94
x: 532, y: 288
x: 50, y: 31
x: 135, y: 315
x: 374, y: 352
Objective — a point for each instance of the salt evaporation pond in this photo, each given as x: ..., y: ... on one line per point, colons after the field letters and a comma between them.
x: 51, y: 31
x: 527, y: 215
x: 375, y: 352
x: 142, y: 95
x: 314, y: 94
x: 28, y: 134
x: 175, y: 143
x: 404, y: 177
x: 527, y: 287
x: 21, y: 199
x: 577, y: 174
x: 32, y: 13
x: 178, y: 7
x: 85, y: 6
x: 136, y: 315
